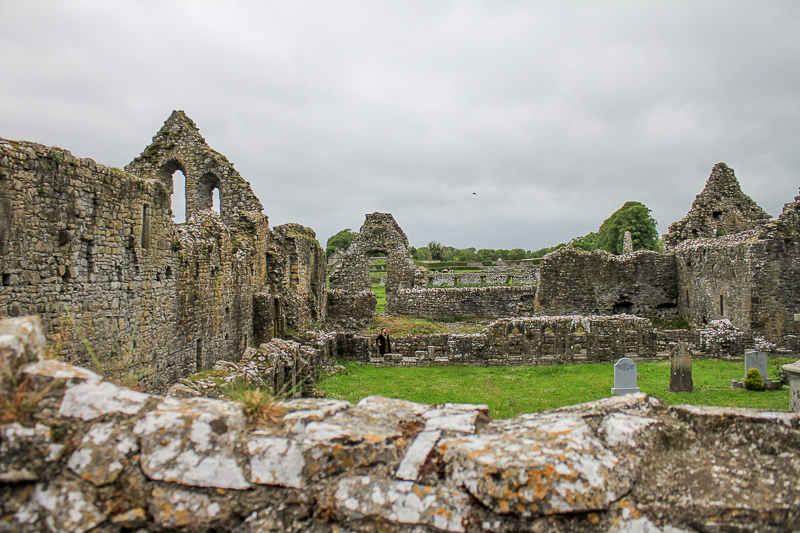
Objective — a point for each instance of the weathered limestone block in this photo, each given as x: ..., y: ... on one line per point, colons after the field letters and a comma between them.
x: 402, y: 501
x: 192, y: 442
x: 26, y: 453
x: 21, y: 341
x: 538, y: 466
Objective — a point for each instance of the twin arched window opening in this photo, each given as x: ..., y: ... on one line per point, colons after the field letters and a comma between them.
x: 206, y: 193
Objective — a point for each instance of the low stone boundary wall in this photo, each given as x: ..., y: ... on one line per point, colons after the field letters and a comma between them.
x: 358, y: 305
x: 512, y: 341
x: 527, y: 276
x: 86, y: 455
x: 465, y: 301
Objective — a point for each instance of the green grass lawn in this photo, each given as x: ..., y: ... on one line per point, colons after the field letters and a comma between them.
x: 380, y: 292
x: 510, y: 391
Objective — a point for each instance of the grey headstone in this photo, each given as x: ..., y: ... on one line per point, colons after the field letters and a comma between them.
x: 756, y: 360
x: 624, y: 377
x: 680, y: 378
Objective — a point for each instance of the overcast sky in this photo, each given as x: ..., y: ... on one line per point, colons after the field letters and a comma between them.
x: 553, y: 113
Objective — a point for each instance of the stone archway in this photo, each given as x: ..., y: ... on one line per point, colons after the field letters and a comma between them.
x: 380, y: 233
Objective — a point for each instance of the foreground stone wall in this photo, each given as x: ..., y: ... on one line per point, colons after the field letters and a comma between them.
x: 495, y: 301
x: 90, y: 455
x: 574, y: 282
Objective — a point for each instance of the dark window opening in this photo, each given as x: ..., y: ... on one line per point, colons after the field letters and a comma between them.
x: 146, y: 226
x: 623, y: 308
x: 687, y: 297
x: 6, y: 280
x: 90, y: 261
x: 716, y: 214
x: 721, y: 306
x: 667, y: 305
x: 227, y: 310
x: 168, y: 273
x: 199, y: 356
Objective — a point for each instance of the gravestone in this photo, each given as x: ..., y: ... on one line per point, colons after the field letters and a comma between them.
x: 624, y: 377
x: 753, y: 359
x: 680, y: 378
x: 756, y: 360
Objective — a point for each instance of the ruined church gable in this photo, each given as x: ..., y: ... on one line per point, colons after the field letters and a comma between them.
x: 721, y: 208
x: 380, y: 233
x: 179, y: 146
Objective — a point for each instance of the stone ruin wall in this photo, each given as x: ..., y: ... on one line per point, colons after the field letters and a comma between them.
x: 643, y: 283
x: 95, y: 253
x: 721, y: 208
x: 511, y: 342
x: 495, y: 276
x: 499, y: 301
x: 750, y: 278
x: 90, y: 455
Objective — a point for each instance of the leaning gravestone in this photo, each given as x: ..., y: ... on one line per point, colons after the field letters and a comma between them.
x: 680, y: 378
x: 624, y: 377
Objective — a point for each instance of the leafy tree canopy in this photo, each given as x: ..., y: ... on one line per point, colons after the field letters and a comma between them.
x: 342, y: 240
x: 634, y: 217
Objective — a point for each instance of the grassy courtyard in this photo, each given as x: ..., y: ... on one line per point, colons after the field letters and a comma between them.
x: 510, y: 391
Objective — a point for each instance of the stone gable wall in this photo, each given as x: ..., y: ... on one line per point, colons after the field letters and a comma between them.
x: 380, y: 233
x: 750, y: 278
x: 721, y: 208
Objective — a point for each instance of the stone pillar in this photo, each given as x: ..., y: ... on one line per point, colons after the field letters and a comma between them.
x: 793, y: 372
x: 627, y: 243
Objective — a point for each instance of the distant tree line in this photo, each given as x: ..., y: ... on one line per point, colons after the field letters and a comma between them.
x: 632, y: 216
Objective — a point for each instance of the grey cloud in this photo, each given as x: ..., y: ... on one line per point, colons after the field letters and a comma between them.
x: 555, y: 113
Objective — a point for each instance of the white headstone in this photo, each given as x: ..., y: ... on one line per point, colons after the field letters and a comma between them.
x: 756, y: 360
x: 624, y: 377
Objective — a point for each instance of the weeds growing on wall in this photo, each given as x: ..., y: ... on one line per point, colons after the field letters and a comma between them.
x: 261, y: 406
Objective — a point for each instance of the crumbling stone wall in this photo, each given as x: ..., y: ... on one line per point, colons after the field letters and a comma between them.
x: 721, y: 208
x: 379, y: 234
x: 576, y: 282
x: 511, y: 342
x: 90, y: 250
x: 95, y: 253
x: 90, y: 455
x: 497, y: 301
x: 750, y: 278
x: 495, y: 276
x: 297, y: 271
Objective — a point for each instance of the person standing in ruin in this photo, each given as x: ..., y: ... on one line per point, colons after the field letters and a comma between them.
x: 383, y: 341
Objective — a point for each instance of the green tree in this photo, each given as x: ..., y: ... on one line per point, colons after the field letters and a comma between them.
x: 587, y: 243
x: 634, y: 217
x: 342, y: 240
x: 423, y: 254
x: 436, y: 249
